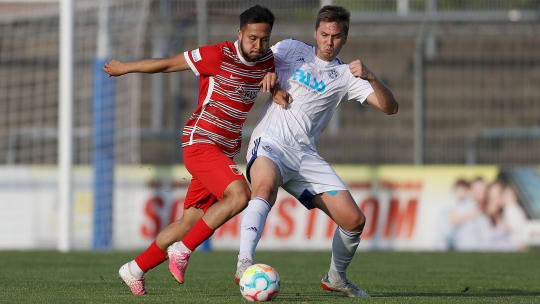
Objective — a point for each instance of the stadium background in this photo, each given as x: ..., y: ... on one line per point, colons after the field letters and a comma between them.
x: 465, y: 74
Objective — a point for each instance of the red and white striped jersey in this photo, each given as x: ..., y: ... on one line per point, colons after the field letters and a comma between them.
x: 228, y: 86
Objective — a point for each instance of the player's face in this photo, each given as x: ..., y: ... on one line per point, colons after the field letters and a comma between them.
x: 330, y: 38
x: 254, y: 40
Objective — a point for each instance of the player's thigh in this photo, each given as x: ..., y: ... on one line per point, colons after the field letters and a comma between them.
x: 269, y: 166
x: 237, y: 192
x: 212, y: 168
x: 198, y: 196
x: 341, y: 207
x: 265, y: 179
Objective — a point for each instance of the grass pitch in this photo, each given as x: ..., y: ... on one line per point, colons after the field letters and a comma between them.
x: 389, y: 277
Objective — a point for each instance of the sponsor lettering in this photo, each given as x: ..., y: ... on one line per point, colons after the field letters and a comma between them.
x: 306, y: 79
x: 152, y: 226
x: 392, y: 218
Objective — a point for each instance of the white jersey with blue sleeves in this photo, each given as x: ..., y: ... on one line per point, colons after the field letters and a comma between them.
x: 316, y: 86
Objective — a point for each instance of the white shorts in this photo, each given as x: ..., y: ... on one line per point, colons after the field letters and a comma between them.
x: 304, y: 174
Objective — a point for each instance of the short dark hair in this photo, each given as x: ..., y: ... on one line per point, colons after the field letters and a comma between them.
x: 334, y: 13
x: 461, y: 182
x: 256, y: 14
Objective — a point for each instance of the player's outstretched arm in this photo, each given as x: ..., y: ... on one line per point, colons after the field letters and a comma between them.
x: 382, y: 98
x: 154, y: 65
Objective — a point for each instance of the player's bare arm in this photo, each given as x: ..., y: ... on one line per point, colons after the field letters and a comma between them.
x: 154, y: 65
x: 270, y: 83
x: 382, y: 98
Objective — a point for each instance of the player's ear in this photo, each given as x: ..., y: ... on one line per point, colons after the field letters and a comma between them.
x: 239, y: 34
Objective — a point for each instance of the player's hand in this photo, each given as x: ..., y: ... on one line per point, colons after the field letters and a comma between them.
x: 115, y: 68
x: 358, y: 69
x: 269, y: 81
x: 281, y: 97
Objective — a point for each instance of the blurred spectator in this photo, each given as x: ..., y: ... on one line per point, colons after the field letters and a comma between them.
x: 460, y: 216
x: 478, y: 192
x: 514, y: 216
x: 506, y: 216
x: 499, y: 235
x: 477, y: 218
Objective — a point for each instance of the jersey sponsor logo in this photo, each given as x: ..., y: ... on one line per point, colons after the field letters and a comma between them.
x: 196, y: 54
x: 235, y: 169
x: 301, y: 59
x: 306, y: 79
x: 247, y: 95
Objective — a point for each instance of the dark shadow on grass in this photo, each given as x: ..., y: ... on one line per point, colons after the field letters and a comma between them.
x: 300, y: 297
x: 489, y: 293
x: 326, y: 297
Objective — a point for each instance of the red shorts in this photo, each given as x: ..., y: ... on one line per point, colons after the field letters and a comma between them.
x: 212, y: 171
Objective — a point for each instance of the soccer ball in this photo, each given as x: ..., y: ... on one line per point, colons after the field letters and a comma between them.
x: 259, y: 283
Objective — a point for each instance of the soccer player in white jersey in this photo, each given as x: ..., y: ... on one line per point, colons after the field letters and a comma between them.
x: 282, y: 150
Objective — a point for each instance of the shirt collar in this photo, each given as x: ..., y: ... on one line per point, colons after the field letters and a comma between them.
x: 244, y: 61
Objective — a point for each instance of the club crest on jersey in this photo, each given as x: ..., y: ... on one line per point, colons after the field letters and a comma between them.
x: 305, y: 78
x: 333, y: 74
x: 235, y: 169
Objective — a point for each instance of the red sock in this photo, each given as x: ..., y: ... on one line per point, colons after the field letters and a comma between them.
x: 198, y: 234
x: 151, y: 257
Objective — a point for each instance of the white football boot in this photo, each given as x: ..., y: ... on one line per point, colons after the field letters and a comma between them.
x: 135, y: 285
x: 333, y: 281
x: 241, y: 266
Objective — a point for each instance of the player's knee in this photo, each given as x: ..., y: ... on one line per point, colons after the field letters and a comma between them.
x: 266, y: 191
x: 356, y: 222
x: 239, y: 197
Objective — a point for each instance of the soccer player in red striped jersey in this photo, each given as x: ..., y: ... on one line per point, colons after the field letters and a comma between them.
x: 230, y: 78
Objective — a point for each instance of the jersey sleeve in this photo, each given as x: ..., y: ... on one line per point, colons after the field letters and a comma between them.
x: 359, y: 89
x: 283, y: 49
x: 205, y: 60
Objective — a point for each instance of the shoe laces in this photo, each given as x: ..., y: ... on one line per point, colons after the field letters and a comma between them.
x: 349, y: 285
x: 180, y: 258
x: 343, y: 282
x: 245, y: 262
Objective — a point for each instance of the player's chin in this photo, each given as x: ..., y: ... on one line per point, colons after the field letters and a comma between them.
x: 254, y: 56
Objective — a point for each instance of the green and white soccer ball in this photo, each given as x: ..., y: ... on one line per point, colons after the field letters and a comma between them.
x: 259, y: 283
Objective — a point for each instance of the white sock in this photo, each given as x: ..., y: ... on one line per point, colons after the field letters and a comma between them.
x: 252, y: 226
x: 344, y: 246
x: 135, y: 270
x: 179, y: 246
